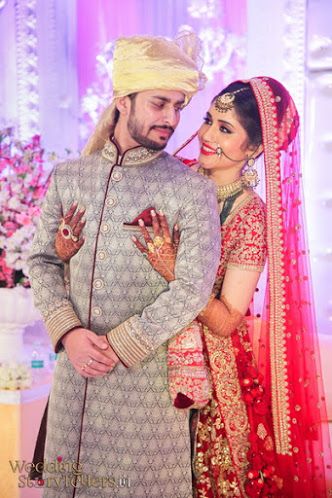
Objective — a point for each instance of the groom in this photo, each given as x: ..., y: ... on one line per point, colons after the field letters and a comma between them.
x: 110, y: 410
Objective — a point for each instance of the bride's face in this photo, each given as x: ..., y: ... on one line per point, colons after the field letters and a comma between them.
x: 223, y: 130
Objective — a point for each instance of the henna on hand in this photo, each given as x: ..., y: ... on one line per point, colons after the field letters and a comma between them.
x: 220, y: 317
x: 68, y: 239
x: 161, y: 252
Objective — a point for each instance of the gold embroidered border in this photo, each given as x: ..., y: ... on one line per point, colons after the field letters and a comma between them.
x: 279, y: 376
x: 246, y: 267
x: 229, y: 394
x: 131, y: 157
x: 129, y: 350
x: 61, y: 321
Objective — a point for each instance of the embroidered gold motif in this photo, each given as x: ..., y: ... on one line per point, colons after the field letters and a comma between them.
x: 225, y: 486
x: 228, y: 391
x: 261, y: 431
x: 131, y: 157
x: 244, y: 238
x: 268, y: 444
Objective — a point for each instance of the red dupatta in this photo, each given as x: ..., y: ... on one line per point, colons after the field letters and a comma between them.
x: 288, y: 353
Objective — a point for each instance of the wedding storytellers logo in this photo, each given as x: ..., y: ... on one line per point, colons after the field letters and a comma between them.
x: 60, y: 474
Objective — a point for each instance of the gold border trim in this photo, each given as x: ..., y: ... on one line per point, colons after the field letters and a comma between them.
x: 62, y: 321
x: 131, y: 157
x: 277, y: 328
x: 259, y: 269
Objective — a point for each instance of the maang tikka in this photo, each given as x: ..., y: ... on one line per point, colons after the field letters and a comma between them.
x: 225, y: 102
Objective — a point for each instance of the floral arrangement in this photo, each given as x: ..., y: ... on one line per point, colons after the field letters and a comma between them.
x: 15, y: 376
x: 24, y: 177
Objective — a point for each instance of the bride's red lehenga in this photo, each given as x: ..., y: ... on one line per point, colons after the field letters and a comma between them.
x: 234, y: 443
x: 265, y: 433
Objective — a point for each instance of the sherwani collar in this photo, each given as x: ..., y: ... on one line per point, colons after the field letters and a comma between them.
x: 131, y: 157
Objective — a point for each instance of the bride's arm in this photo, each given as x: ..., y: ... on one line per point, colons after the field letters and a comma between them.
x: 222, y: 316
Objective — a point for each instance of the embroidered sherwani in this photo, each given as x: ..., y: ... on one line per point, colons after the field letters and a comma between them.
x: 121, y: 428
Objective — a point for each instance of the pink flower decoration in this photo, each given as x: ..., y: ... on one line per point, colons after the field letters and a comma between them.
x: 24, y: 179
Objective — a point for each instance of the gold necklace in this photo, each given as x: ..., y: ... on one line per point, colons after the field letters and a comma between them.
x: 226, y: 191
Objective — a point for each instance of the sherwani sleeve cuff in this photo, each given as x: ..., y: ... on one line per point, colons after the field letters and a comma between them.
x: 126, y: 346
x: 62, y: 321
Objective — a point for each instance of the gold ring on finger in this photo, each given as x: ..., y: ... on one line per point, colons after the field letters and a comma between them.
x: 158, y: 241
x: 74, y: 238
x: 150, y: 247
x: 89, y: 362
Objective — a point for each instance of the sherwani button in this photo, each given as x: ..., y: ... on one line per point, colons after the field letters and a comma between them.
x: 105, y: 227
x: 117, y: 176
x: 98, y: 283
x: 96, y: 311
x: 111, y: 202
x: 101, y: 255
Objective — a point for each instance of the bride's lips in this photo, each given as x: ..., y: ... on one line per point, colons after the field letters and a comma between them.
x: 207, y: 150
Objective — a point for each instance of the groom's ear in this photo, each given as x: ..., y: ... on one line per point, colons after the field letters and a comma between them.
x: 123, y: 105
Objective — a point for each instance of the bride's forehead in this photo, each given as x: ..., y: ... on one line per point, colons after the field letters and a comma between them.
x: 229, y: 116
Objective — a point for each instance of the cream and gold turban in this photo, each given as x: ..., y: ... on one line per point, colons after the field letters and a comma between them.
x: 149, y: 63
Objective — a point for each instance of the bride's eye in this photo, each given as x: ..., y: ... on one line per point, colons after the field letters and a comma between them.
x: 207, y: 120
x: 224, y: 129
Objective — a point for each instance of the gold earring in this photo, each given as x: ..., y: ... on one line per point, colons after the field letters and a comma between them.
x: 249, y: 174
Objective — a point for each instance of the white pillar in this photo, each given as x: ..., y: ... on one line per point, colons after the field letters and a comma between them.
x: 318, y: 156
x: 38, y: 87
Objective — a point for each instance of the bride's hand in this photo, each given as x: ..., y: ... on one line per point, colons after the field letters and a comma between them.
x: 162, y: 250
x: 68, y: 240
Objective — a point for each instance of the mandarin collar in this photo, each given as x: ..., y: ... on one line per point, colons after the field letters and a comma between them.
x: 131, y: 157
